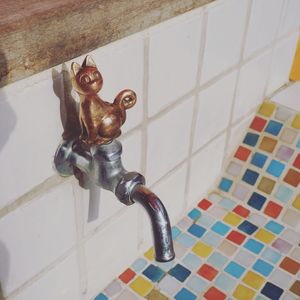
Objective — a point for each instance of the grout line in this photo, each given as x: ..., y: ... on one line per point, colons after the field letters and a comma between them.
x: 196, y: 106
x: 237, y: 80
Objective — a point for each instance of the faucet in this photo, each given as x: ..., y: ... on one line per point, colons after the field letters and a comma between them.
x: 97, y: 153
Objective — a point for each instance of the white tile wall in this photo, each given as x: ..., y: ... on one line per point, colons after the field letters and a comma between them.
x: 217, y: 100
x: 263, y: 24
x: 35, y: 235
x: 282, y: 61
x: 60, y: 283
x: 47, y: 244
x: 110, y: 250
x: 173, y: 60
x: 205, y: 168
x: 225, y: 29
x: 251, y: 84
x: 168, y: 140
x: 289, y: 97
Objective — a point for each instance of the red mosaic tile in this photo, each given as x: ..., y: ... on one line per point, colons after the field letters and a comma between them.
x: 290, y: 265
x: 127, y: 275
x: 292, y: 177
x: 204, y: 204
x: 208, y: 272
x: 214, y: 294
x: 296, y: 163
x: 236, y: 237
x: 242, y: 153
x: 273, y: 209
x: 258, y: 124
x: 241, y: 211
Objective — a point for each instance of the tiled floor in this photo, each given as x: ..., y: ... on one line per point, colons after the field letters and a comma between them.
x: 241, y: 241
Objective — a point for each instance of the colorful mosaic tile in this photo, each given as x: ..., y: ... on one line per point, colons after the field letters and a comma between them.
x: 242, y: 241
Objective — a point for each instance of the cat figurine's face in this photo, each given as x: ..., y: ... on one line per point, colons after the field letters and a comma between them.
x: 87, y: 79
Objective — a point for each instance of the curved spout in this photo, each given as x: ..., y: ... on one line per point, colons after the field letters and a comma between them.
x: 161, y: 228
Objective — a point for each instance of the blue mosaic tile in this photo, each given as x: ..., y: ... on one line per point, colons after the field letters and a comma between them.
x: 185, y: 294
x: 225, y: 184
x: 101, y: 297
x: 272, y: 291
x: 186, y: 240
x: 250, y: 176
x: 235, y: 269
x: 139, y: 265
x: 284, y: 193
x: 196, y: 230
x: 247, y: 227
x: 251, y: 139
x: 154, y: 273
x: 271, y: 255
x: 205, y: 220
x: 275, y: 168
x: 254, y: 246
x: 196, y: 284
x: 192, y: 261
x: 273, y: 127
x: 220, y: 228
x: 274, y: 227
x: 227, y: 204
x: 212, y: 239
x: 175, y: 232
x: 194, y: 214
x: 258, y: 159
x: 257, y: 201
x: 180, y: 272
x: 225, y: 283
x: 217, y: 260
x: 262, y: 267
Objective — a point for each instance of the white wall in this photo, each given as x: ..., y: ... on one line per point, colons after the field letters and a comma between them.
x: 199, y: 77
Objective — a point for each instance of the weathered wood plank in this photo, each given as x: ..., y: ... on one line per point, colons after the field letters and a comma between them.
x: 36, y: 35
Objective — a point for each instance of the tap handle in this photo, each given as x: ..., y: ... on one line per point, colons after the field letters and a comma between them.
x: 100, y: 121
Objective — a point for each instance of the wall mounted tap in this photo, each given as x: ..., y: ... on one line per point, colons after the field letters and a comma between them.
x: 97, y: 154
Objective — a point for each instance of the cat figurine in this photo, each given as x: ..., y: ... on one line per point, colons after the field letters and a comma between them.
x: 100, y: 120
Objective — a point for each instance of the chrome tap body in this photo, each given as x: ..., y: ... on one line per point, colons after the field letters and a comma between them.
x: 103, y: 166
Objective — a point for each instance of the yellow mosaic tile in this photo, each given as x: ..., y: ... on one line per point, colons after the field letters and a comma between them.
x: 267, y: 108
x: 254, y: 280
x: 266, y: 185
x: 202, y: 249
x: 141, y: 286
x: 296, y: 202
x: 156, y: 295
x: 296, y: 122
x: 243, y: 293
x: 232, y: 219
x: 268, y: 144
x: 264, y: 236
x: 149, y: 254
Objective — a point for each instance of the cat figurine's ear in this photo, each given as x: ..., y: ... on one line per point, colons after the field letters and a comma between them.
x: 75, y: 68
x: 88, y: 62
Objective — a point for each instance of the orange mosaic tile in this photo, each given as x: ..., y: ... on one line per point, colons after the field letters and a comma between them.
x: 292, y: 177
x: 290, y: 265
x: 268, y: 144
x: 214, y: 294
x: 273, y: 209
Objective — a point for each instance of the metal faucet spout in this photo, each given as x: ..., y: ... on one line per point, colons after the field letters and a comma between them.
x: 161, y: 228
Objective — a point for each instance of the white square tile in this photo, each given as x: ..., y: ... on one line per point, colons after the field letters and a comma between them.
x: 205, y: 168
x: 214, y: 110
x: 60, y: 283
x: 289, y: 96
x: 225, y: 30
x: 31, y: 131
x: 251, y: 84
x: 173, y: 60
x: 263, y: 24
x: 36, y: 234
x: 168, y: 140
x: 282, y: 61
x: 291, y: 18
x: 108, y: 203
x: 111, y: 250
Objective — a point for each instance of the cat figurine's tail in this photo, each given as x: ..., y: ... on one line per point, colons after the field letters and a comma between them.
x: 125, y: 99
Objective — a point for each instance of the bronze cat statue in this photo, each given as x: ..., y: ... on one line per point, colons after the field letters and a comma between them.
x: 100, y: 120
